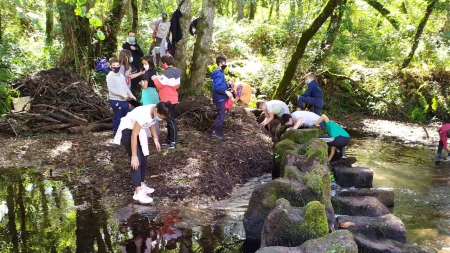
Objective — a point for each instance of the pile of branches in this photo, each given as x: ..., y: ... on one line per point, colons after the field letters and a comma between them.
x: 60, y: 100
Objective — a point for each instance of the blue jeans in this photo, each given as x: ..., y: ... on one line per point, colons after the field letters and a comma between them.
x: 120, y: 110
x: 220, y: 106
x: 316, y: 102
x: 440, y: 148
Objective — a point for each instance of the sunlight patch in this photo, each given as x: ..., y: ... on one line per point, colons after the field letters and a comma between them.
x: 64, y: 147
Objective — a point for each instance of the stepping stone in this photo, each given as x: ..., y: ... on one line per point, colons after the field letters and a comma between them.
x: 376, y: 228
x: 385, y: 196
x: 384, y: 246
x: 358, y: 206
x: 353, y: 177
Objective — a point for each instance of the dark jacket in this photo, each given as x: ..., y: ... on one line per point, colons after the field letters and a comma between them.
x: 175, y: 27
x: 193, y: 26
x: 137, y: 54
x: 313, y: 90
x: 219, y: 86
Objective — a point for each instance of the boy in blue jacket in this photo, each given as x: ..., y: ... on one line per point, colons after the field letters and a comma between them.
x: 312, y: 96
x: 220, y: 96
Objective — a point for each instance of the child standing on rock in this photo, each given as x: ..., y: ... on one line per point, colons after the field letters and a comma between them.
x: 444, y: 134
x: 132, y: 135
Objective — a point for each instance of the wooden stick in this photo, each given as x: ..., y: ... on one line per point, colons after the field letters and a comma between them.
x: 62, y: 110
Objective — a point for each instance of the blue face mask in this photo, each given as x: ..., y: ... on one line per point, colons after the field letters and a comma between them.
x: 306, y: 81
x: 157, y: 118
x: 131, y: 39
x: 131, y: 59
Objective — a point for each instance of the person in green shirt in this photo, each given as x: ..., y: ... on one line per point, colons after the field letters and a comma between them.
x: 339, y: 137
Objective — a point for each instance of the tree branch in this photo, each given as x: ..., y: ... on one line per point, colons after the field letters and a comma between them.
x: 385, y: 12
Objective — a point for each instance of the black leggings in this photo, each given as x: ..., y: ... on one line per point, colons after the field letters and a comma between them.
x: 137, y: 176
x: 339, y: 142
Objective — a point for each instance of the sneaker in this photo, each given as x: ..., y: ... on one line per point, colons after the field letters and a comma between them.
x: 447, y: 159
x: 220, y: 137
x: 147, y: 189
x: 344, y: 157
x: 142, y: 197
x: 172, y: 145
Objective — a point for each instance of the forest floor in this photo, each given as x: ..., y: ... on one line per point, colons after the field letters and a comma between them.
x: 202, y: 170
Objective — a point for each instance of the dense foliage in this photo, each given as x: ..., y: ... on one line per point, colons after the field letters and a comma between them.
x: 371, y: 46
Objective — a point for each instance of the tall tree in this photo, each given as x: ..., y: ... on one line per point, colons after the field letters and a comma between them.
x: 330, y: 36
x: 134, y: 9
x: 385, y: 12
x: 202, y: 47
x: 419, y: 32
x: 181, y: 56
x: 253, y: 5
x: 49, y: 22
x: 306, y: 36
x: 112, y: 26
x: 240, y: 7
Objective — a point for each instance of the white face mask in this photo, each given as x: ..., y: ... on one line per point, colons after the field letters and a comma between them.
x: 146, y: 67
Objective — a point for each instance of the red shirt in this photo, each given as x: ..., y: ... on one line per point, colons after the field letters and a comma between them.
x: 443, y: 133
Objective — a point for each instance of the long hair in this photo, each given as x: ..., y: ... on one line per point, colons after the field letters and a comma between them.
x: 124, y: 58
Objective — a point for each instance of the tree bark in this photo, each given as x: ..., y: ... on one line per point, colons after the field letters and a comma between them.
x: 181, y: 56
x: 385, y: 12
x: 253, y: 6
x: 419, y: 32
x: 301, y: 46
x: 202, y: 46
x: 49, y: 22
x: 330, y: 36
x: 134, y: 9
x: 12, y: 229
x: 240, y: 7
x: 112, y: 26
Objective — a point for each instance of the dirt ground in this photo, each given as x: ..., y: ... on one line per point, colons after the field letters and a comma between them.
x: 202, y: 170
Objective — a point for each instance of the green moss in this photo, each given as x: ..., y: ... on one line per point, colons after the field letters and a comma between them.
x: 301, y: 135
x: 315, y: 222
x: 314, y: 182
x: 291, y: 172
x: 317, y: 149
x: 279, y: 150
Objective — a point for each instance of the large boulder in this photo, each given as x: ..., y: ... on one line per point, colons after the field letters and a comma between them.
x: 384, y: 246
x: 291, y: 226
x: 353, y: 176
x: 375, y: 228
x: 386, y: 197
x: 301, y: 135
x: 359, y: 206
x: 263, y: 200
x: 337, y: 242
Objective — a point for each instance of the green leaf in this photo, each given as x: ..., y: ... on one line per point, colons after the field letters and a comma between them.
x: 78, y: 11
x: 94, y: 21
x: 92, y: 11
x: 81, y: 2
x: 100, y: 35
x: 434, y: 104
x: 88, y: 15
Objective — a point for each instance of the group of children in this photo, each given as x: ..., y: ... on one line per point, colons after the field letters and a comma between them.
x: 337, y: 138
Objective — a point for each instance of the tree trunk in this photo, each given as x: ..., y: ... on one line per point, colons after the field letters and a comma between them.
x: 277, y: 9
x: 385, y: 12
x: 252, y: 12
x: 272, y: 2
x: 49, y: 22
x: 419, y: 32
x: 301, y: 46
x: 202, y: 46
x: 22, y: 214
x: 181, y: 56
x: 330, y: 36
x: 112, y: 27
x: 12, y: 229
x: 240, y: 7
x: 134, y: 9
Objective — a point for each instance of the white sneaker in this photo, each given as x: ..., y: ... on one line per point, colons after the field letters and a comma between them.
x: 147, y: 189
x: 142, y: 197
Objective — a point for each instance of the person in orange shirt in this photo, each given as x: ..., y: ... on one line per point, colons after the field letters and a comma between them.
x: 168, y: 84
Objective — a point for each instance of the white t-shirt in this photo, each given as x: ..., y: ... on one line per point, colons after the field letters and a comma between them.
x: 309, y: 118
x: 277, y: 107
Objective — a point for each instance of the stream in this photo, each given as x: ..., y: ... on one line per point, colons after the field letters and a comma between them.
x: 49, y: 214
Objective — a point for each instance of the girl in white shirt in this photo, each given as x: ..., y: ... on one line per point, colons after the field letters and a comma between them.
x: 132, y: 135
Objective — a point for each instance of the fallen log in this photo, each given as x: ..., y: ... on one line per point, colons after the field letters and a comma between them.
x: 90, y: 128
x: 66, y: 120
x: 50, y: 127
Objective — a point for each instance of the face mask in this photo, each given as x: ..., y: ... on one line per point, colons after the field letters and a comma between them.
x: 131, y: 39
x: 306, y: 81
x: 146, y: 67
x: 164, y: 66
x: 164, y: 19
x: 115, y: 69
x: 223, y: 67
x: 131, y: 59
x: 157, y: 118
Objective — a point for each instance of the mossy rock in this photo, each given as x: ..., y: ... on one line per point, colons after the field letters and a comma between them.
x: 291, y: 158
x: 264, y: 198
x: 318, y: 149
x: 292, y: 226
x: 301, y: 135
x: 292, y: 172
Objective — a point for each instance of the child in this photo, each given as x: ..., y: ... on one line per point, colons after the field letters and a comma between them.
x: 340, y: 137
x: 168, y: 85
x: 136, y: 53
x: 149, y: 94
x: 126, y: 68
x: 299, y: 118
x: 444, y: 134
x: 220, y: 96
x: 312, y: 96
x: 132, y: 135
x: 272, y: 108
x: 118, y: 93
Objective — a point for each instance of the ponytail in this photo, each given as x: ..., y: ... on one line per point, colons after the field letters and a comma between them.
x: 164, y: 108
